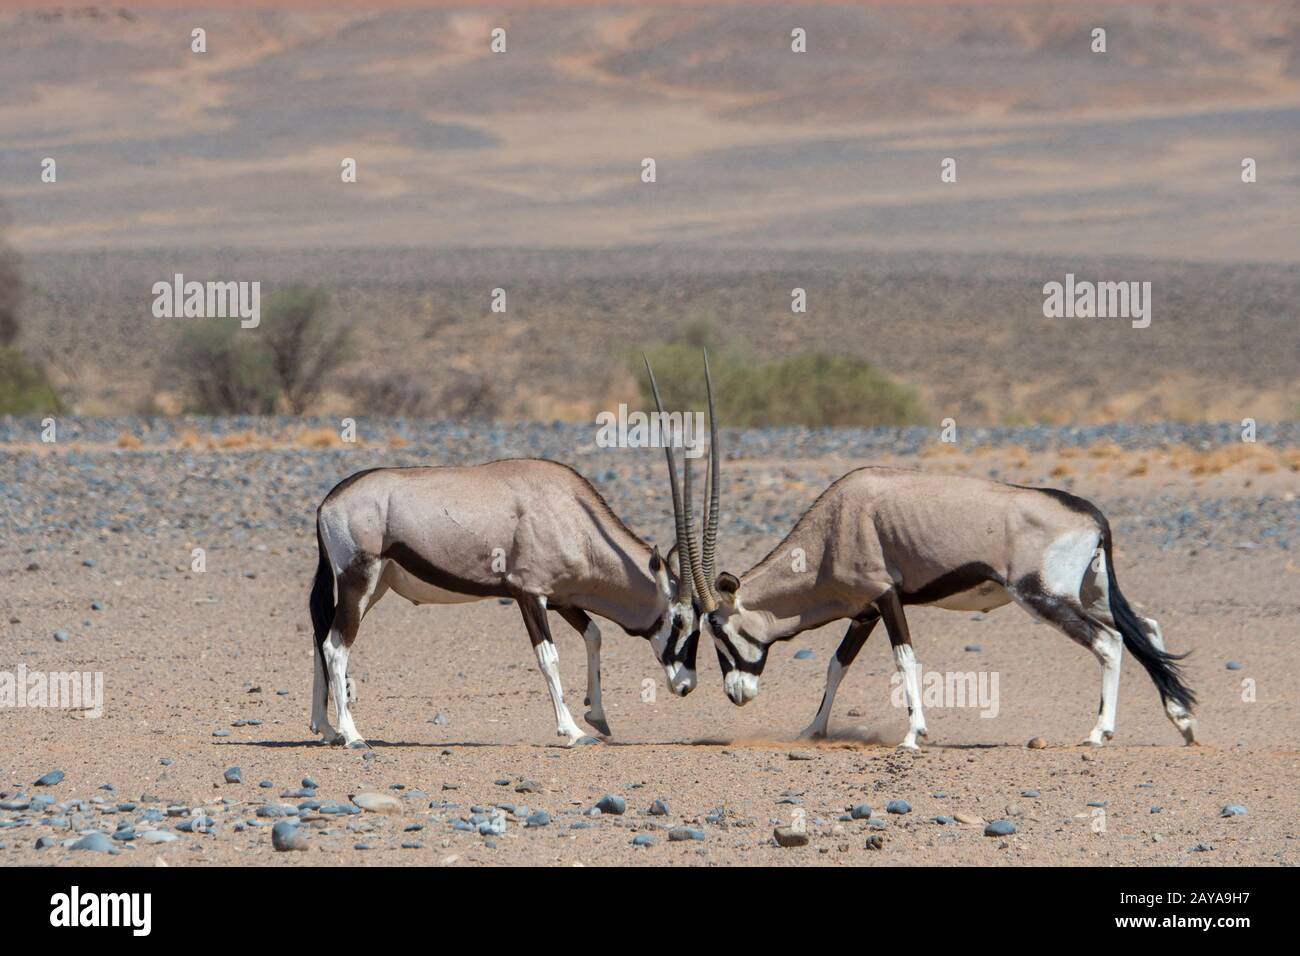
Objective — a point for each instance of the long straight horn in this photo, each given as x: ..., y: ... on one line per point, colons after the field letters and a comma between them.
x: 715, y: 474
x: 702, y: 589
x: 684, y: 560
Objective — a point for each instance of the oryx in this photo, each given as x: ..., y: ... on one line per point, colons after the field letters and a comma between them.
x: 879, y: 539
x: 528, y: 529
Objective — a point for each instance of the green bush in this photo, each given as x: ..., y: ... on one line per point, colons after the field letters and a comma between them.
x: 805, y: 389
x: 286, y: 360
x: 23, y: 387
x: 225, y: 371
x: 304, y: 348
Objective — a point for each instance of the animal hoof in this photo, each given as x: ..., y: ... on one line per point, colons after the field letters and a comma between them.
x: 585, y: 741
x: 599, y: 723
x: 812, y: 734
x: 358, y: 744
x: 909, y: 746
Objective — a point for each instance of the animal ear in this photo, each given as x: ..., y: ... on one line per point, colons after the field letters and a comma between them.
x: 727, y: 586
x: 659, y: 568
x: 675, y: 565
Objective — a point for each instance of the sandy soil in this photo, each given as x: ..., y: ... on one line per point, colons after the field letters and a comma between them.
x: 185, y: 655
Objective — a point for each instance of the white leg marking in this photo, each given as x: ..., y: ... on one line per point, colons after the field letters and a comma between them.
x: 320, y: 722
x: 596, y: 715
x: 834, y: 674
x: 1108, y: 645
x: 548, y: 659
x: 905, y: 662
x: 336, y: 657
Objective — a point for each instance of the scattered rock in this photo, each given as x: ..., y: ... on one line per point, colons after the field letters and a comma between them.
x: 860, y: 811
x: 1037, y: 743
x: 678, y: 834
x: 538, y: 818
x: 658, y: 809
x: 968, y: 818
x: 95, y: 843
x: 898, y: 806
x: 789, y: 836
x: 999, y: 828
x: 376, y: 802
x: 804, y: 655
x: 233, y: 775
x: 53, y: 777
x: 1233, y: 810
x: 643, y: 839
x: 612, y: 804
x: 875, y: 842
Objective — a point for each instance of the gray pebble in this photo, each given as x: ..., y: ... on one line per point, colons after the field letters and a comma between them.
x: 612, y: 804
x: 999, y: 828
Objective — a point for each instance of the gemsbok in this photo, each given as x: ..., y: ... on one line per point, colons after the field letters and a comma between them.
x: 880, y: 539
x: 528, y: 529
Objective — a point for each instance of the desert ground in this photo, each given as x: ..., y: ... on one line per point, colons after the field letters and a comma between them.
x: 212, y: 670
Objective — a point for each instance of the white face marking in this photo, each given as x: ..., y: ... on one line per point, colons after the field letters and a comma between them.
x: 681, y: 678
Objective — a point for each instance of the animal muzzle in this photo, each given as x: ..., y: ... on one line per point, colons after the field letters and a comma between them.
x: 740, y: 687
x: 681, y: 678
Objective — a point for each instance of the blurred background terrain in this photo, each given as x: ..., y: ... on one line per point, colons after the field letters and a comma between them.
x: 775, y: 170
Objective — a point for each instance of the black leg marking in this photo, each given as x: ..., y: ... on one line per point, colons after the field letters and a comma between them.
x: 891, y: 609
x: 856, y: 637
x: 539, y: 629
x: 1067, y: 615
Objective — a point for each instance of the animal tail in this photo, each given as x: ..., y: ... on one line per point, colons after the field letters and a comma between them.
x: 322, y: 597
x: 1162, y: 666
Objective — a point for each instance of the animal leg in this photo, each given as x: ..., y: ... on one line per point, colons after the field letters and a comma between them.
x: 1180, y: 715
x: 358, y: 588
x: 585, y: 626
x: 1068, y: 616
x: 548, y: 659
x: 891, y: 610
x: 320, y: 722
x: 853, y: 641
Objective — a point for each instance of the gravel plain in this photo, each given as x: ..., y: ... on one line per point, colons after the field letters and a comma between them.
x: 209, y: 672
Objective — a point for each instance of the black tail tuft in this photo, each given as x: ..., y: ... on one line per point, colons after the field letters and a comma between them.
x: 1161, y: 665
x: 322, y: 598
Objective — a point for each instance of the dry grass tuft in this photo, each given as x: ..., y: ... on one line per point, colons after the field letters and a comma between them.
x: 127, y: 440
x: 318, y: 438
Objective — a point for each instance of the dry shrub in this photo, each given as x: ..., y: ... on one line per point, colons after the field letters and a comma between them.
x: 397, y: 441
x: 127, y: 440
x: 244, y: 439
x: 318, y: 438
x: 190, y: 439
x: 1138, y: 469
x: 1106, y: 449
x: 1060, y: 470
x: 938, y: 450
